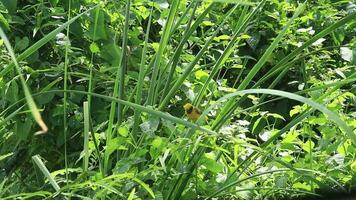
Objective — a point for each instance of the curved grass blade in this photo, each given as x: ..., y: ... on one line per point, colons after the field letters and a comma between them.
x: 283, y: 63
x: 145, y: 186
x: 31, y: 103
x: 141, y: 108
x: 256, y: 68
x: 334, y: 117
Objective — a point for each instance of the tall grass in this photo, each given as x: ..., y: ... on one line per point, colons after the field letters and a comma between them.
x: 179, y: 165
x: 65, y: 87
x: 30, y: 102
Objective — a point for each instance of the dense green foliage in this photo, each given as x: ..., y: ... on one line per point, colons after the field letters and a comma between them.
x: 275, y: 81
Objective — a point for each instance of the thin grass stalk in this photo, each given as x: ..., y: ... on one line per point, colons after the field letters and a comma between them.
x: 141, y: 77
x: 230, y: 104
x: 189, y: 69
x: 240, y: 73
x: 311, y: 179
x: 162, y: 46
x: 175, y: 59
x: 175, y: 56
x: 65, y: 96
x: 244, y: 179
x: 289, y: 166
x: 301, y: 173
x: 86, y: 136
x: 241, y: 25
x: 98, y: 154
x: 90, y: 86
x: 30, y: 102
x: 283, y: 63
x: 321, y: 34
x: 131, y: 98
x: 45, y: 172
x: 32, y: 195
x: 300, y: 170
x: 3, y: 122
x: 294, y: 122
x: 119, y: 77
x: 284, y: 71
x: 177, y: 188
x: 46, y: 88
x: 179, y: 21
x: 123, y: 61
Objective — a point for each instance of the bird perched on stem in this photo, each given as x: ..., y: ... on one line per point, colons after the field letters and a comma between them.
x: 192, y: 112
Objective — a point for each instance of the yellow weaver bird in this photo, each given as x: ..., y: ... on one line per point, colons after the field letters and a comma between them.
x: 192, y: 112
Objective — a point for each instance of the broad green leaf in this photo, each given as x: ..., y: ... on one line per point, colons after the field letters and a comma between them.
x: 211, y: 164
x: 100, y: 32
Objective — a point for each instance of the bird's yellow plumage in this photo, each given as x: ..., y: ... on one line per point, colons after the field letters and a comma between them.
x: 192, y: 112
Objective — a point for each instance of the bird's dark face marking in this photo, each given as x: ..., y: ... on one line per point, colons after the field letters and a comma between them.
x: 190, y: 110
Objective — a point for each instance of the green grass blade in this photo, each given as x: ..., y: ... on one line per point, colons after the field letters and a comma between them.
x: 189, y: 69
x: 174, y: 61
x: 141, y: 108
x: 228, y: 106
x: 241, y: 25
x: 283, y: 63
x: 162, y: 46
x: 118, y: 88
x: 65, y: 96
x: 146, y: 187
x: 123, y: 61
x: 45, y: 172
x: 86, y: 136
x: 30, y: 102
x: 90, y: 84
x: 141, y: 77
x: 332, y: 116
x: 181, y: 18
